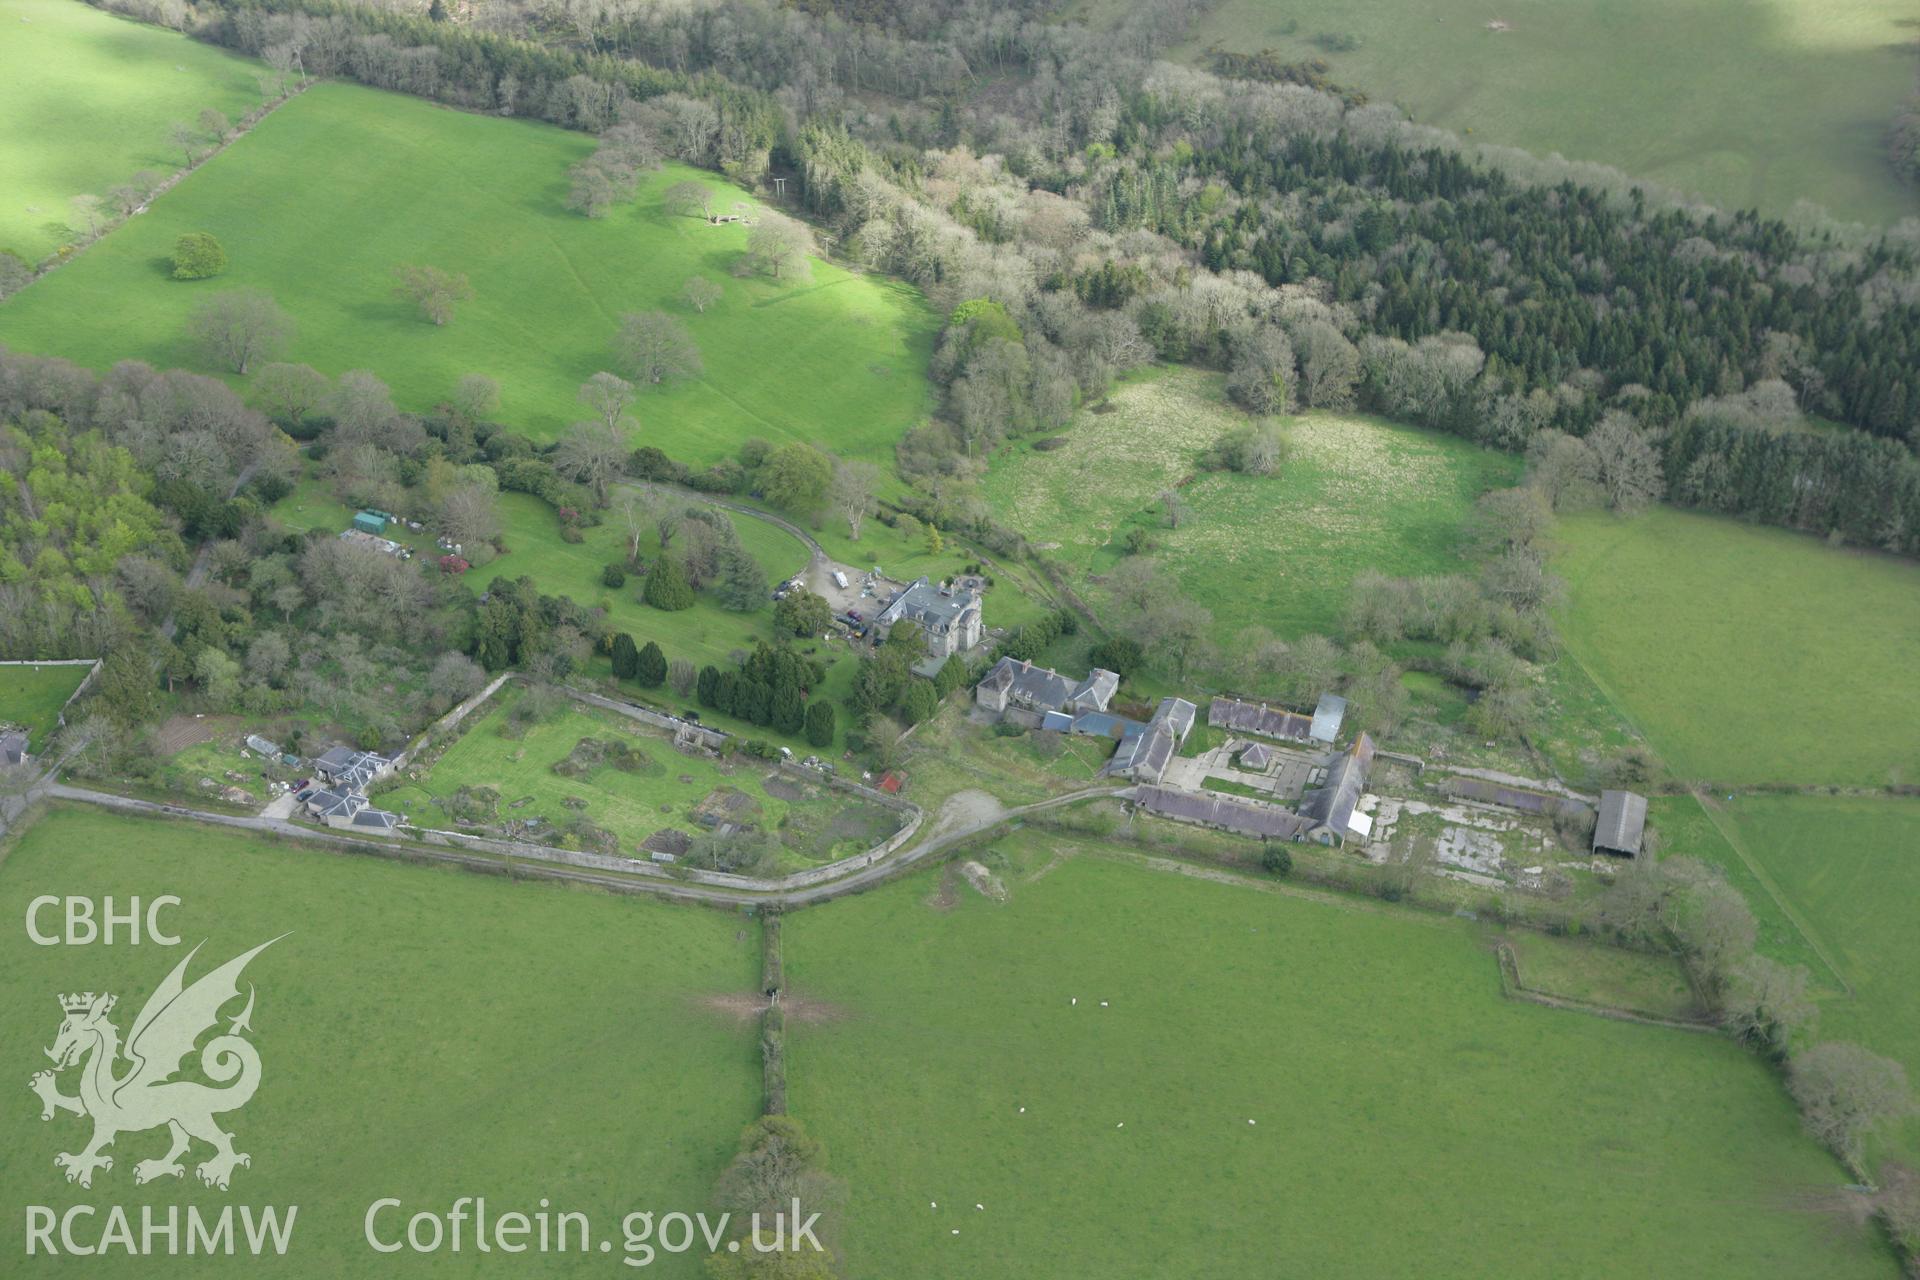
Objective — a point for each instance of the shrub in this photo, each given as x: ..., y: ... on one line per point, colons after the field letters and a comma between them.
x: 613, y: 576
x: 198, y: 256
x: 667, y: 587
x: 650, y: 666
x: 1277, y: 860
x: 820, y: 723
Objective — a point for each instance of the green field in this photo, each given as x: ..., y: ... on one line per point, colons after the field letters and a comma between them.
x: 330, y: 193
x: 88, y: 99
x: 815, y: 824
x: 1687, y: 93
x: 1409, y: 1120
x: 1846, y: 868
x: 31, y: 697
x: 1748, y: 654
x: 1355, y: 493
x: 425, y: 1034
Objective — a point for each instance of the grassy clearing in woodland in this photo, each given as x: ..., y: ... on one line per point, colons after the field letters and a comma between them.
x: 1681, y: 92
x: 87, y: 99
x: 1746, y: 654
x: 1358, y: 1040
x: 424, y: 1034
x: 1354, y: 493
x: 321, y: 202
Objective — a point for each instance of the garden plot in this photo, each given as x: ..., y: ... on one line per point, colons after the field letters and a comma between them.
x: 584, y: 778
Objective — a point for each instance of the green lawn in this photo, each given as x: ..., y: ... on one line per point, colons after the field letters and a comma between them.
x: 1410, y: 1122
x: 1687, y: 93
x: 31, y: 697
x: 425, y: 1034
x: 1748, y: 654
x: 330, y: 193
x: 87, y: 99
x: 816, y: 825
x: 1355, y: 493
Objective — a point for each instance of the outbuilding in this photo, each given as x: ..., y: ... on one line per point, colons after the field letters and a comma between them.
x: 1621, y: 828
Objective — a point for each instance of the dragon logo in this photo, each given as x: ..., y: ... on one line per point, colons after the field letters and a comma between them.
x: 146, y: 1095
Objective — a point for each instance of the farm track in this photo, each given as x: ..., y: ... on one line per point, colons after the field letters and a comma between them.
x: 533, y: 867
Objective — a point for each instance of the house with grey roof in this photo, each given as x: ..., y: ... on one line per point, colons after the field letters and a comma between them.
x: 1014, y: 682
x: 1332, y: 810
x: 1621, y: 828
x: 950, y: 619
x: 1145, y: 756
x: 348, y: 770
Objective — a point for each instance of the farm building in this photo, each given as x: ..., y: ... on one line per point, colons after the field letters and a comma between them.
x: 1223, y: 813
x: 1256, y: 757
x: 1622, y: 824
x: 1275, y: 722
x: 1332, y: 810
x: 13, y: 749
x: 1538, y: 802
x: 1144, y: 757
x: 1015, y: 683
x: 951, y: 620
x: 1327, y: 717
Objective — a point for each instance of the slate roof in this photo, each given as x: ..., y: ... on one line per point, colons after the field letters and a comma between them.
x: 1327, y: 717
x: 1146, y: 755
x: 1622, y: 823
x: 1098, y: 688
x: 13, y: 748
x: 927, y: 605
x: 327, y: 804
x: 1030, y: 685
x: 1258, y: 718
x: 1257, y: 756
x: 377, y: 819
x: 1333, y: 804
x: 1177, y: 714
x: 1511, y: 797
x: 1248, y: 817
x: 1057, y: 722
x: 1104, y: 724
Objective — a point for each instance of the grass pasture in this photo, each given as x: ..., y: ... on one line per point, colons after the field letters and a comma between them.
x: 1410, y: 1120
x: 31, y: 697
x: 425, y: 1034
x: 1355, y: 493
x: 87, y: 99
x: 1686, y: 93
x: 1850, y: 865
x: 330, y: 193
x: 1748, y: 654
x: 815, y: 824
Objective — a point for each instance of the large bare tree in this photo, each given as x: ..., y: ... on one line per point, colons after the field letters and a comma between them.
x: 594, y: 454
x: 1847, y: 1094
x: 236, y: 329
x: 653, y: 347
x: 607, y: 394
x: 852, y: 492
x: 434, y: 291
